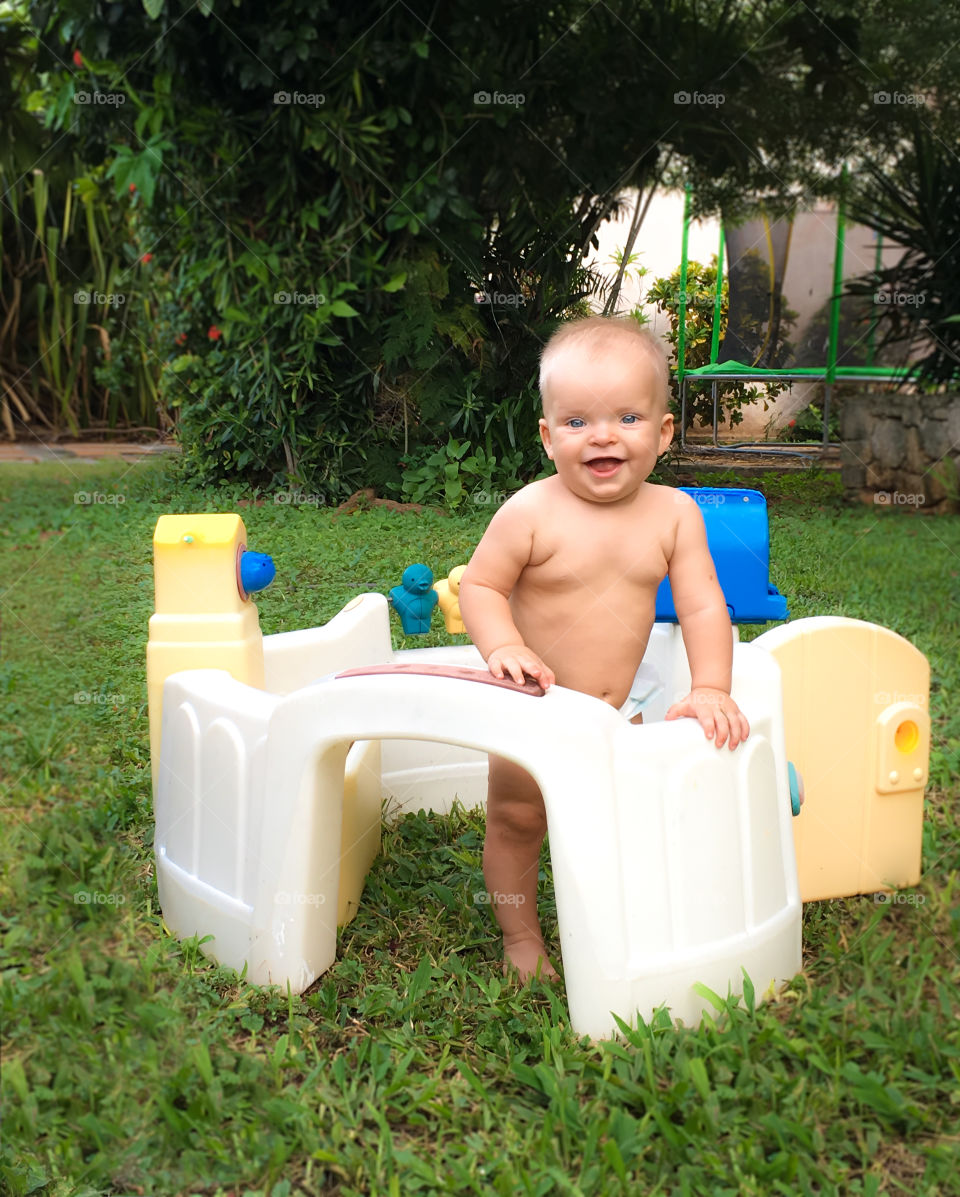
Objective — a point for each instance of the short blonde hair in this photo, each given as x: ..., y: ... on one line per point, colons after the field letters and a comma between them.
x: 593, y: 334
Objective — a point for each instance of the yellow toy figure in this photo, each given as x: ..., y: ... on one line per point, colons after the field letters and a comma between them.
x: 449, y: 593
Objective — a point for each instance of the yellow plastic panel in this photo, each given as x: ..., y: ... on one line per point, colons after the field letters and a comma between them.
x: 856, y: 703
x: 360, y: 837
x: 201, y: 619
x: 195, y: 564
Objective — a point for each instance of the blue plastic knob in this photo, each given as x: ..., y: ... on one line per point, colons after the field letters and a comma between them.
x: 257, y: 571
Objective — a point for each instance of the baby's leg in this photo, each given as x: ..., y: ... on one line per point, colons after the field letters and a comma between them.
x: 516, y: 825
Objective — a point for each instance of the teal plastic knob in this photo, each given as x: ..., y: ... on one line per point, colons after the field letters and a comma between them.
x: 796, y: 788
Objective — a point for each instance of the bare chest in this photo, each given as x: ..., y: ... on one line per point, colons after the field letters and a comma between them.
x: 616, y: 552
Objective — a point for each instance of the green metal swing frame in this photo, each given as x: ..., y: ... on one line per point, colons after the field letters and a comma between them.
x: 731, y: 371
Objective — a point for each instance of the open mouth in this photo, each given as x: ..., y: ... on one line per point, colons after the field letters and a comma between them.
x: 604, y: 467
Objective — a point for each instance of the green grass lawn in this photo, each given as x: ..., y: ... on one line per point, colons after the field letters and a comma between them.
x: 131, y: 1065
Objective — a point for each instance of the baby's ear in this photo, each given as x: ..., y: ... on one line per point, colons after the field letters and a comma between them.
x: 545, y: 438
x: 666, y: 431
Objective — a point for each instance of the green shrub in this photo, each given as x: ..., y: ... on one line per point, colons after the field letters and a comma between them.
x: 455, y: 477
x: 74, y: 284
x: 807, y: 425
x: 698, y: 335
x: 381, y: 230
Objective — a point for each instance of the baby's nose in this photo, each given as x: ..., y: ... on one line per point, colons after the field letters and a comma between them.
x: 604, y: 431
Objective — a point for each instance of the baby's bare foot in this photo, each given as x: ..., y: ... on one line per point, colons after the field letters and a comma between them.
x: 528, y: 956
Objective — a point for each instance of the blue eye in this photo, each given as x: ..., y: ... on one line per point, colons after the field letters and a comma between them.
x: 631, y: 419
x: 576, y: 422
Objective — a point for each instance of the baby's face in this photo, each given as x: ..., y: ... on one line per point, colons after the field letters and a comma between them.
x: 604, y: 425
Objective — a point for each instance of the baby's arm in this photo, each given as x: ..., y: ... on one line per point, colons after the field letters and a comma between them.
x: 497, y: 562
x: 705, y: 624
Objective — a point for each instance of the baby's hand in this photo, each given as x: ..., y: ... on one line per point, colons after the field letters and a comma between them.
x: 719, y: 716
x: 517, y: 660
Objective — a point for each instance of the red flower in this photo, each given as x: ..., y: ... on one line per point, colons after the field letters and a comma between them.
x: 77, y: 58
x: 181, y: 339
x: 214, y: 333
x: 132, y: 188
x: 146, y: 258
x: 792, y: 424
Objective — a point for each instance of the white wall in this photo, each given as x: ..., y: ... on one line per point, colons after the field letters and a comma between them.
x: 658, y: 245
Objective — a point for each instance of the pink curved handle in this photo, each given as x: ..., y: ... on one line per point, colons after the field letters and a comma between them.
x: 463, y: 672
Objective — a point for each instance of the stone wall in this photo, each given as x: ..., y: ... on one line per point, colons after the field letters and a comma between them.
x: 902, y: 450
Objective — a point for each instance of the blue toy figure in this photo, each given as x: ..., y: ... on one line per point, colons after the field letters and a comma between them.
x: 415, y: 599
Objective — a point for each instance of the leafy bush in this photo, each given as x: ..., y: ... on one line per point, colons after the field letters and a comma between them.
x: 399, y: 167
x: 386, y: 168
x: 698, y: 334
x: 381, y: 233
x: 807, y: 425
x: 915, y: 202
x: 74, y: 282
x: 454, y: 477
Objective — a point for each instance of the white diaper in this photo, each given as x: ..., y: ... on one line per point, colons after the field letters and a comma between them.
x: 645, y: 687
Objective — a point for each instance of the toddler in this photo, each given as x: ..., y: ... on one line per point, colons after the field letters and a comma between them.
x: 562, y: 586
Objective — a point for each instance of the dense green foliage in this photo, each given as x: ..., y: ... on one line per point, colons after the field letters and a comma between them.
x: 131, y: 1064
x: 306, y: 201
x: 379, y: 209
x: 915, y: 202
x: 74, y: 294
x: 286, y: 215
